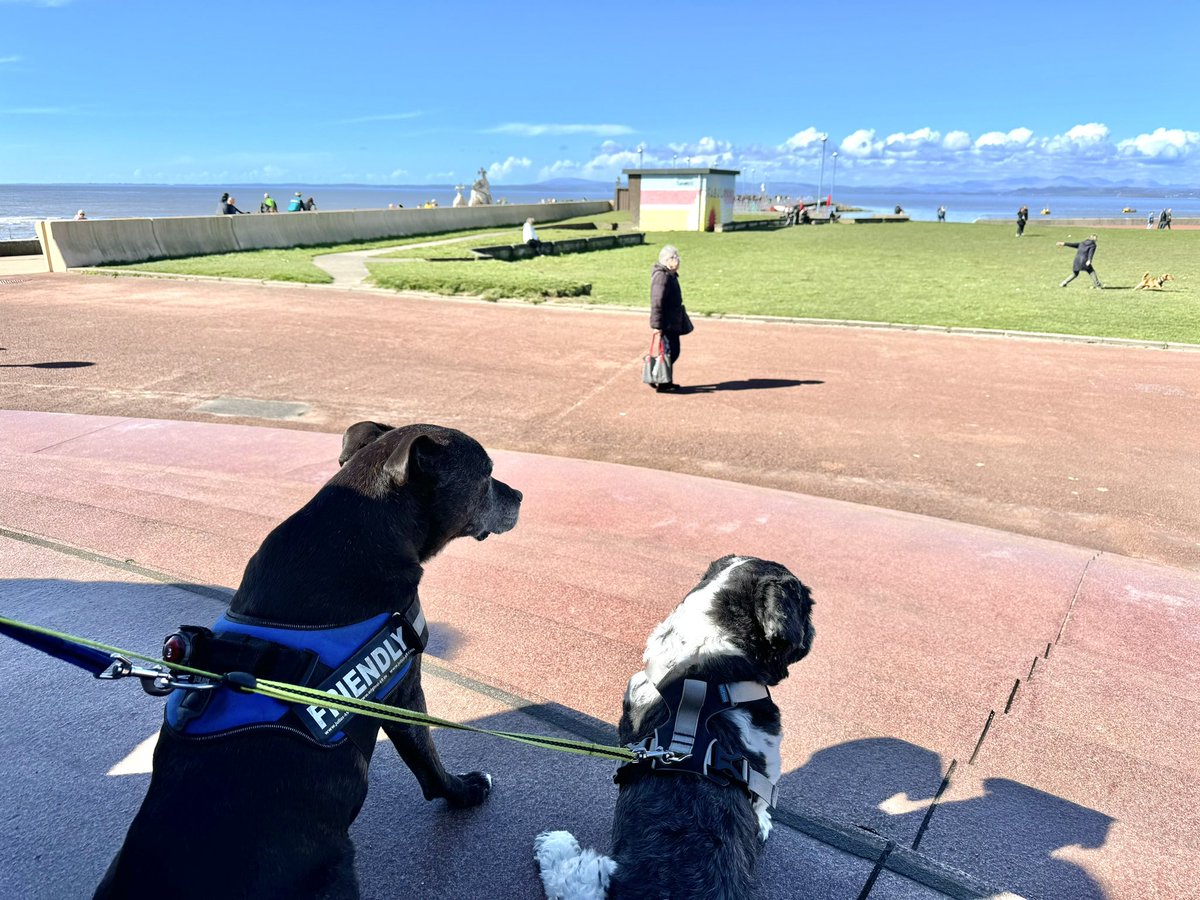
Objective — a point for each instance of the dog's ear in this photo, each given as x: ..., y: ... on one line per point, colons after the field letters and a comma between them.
x: 416, y: 454
x: 783, y: 606
x: 358, y: 436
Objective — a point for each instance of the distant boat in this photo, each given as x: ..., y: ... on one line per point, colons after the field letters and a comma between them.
x: 1129, y: 209
x: 1046, y: 211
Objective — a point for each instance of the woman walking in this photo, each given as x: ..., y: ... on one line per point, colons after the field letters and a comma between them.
x: 667, y: 317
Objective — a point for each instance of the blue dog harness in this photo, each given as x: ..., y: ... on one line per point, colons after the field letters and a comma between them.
x: 683, y: 743
x: 365, y: 660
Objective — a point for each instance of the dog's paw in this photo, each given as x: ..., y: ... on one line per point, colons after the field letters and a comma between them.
x: 471, y: 789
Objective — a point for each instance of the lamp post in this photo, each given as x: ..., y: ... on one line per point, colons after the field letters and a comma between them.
x: 674, y: 156
x: 821, y: 177
x: 832, y: 182
x: 641, y: 149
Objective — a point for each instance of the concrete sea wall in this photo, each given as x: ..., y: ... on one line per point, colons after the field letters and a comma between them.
x: 68, y: 244
x: 20, y: 248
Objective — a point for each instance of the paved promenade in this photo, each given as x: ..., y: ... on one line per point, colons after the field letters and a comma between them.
x: 1018, y: 562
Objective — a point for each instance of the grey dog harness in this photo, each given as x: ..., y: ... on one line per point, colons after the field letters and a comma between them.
x: 684, y: 744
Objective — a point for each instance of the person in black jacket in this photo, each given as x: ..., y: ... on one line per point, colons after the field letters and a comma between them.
x: 1022, y: 220
x: 1084, y: 251
x: 666, y: 306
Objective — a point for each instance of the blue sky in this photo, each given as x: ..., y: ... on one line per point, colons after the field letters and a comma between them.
x: 262, y: 91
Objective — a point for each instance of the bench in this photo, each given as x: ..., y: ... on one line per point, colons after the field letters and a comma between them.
x: 509, y: 252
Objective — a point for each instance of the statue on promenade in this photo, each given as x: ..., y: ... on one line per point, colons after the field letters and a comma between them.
x: 481, y: 191
x: 458, y: 197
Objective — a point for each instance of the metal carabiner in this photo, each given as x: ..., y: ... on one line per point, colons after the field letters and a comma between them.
x: 156, y: 681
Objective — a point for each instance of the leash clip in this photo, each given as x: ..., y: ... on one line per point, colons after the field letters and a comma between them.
x: 156, y: 681
x: 642, y: 753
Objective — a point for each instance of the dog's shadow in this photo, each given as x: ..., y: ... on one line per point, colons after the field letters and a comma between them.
x: 746, y: 384
x: 885, y: 786
x: 65, y: 737
x: 444, y: 640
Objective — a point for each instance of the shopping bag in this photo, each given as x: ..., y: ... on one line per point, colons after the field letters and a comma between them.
x: 656, y: 367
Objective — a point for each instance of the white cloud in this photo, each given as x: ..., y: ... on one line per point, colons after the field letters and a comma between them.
x: 382, y: 117
x: 802, y: 140
x: 526, y: 130
x: 1018, y: 137
x: 910, y: 145
x: 1164, y: 144
x: 1088, y: 141
x: 398, y: 173
x: 498, y: 171
x: 957, y: 140
x: 924, y: 154
x: 860, y: 144
x: 9, y: 59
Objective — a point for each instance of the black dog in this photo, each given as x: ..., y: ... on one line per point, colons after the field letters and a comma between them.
x: 262, y: 808
x: 693, y: 829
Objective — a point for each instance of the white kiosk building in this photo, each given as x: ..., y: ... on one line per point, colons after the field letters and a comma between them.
x: 681, y: 199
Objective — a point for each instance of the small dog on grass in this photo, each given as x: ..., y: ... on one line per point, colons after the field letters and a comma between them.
x: 693, y: 827
x: 1154, y: 282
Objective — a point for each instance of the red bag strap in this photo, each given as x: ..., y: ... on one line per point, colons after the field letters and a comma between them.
x: 653, y: 338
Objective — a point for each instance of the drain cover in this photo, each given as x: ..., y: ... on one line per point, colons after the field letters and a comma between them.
x: 252, y: 409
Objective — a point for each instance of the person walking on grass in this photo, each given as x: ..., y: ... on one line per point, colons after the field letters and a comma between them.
x: 1084, y: 251
x: 1022, y: 220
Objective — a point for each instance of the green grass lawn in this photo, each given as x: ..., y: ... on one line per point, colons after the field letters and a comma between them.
x: 921, y: 273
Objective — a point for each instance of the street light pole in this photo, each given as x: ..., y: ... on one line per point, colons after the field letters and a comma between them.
x: 641, y: 149
x: 832, y: 182
x: 821, y: 177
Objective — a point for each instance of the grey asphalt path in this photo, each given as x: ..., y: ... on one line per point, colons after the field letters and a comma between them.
x: 1077, y: 668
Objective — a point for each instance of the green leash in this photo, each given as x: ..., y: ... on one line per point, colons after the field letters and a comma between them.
x: 53, y: 643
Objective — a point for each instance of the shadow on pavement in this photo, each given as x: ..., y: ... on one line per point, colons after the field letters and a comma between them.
x: 1007, y: 836
x: 67, y: 732
x: 66, y: 364
x: 748, y: 384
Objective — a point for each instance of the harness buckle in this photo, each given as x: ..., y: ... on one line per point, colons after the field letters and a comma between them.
x: 658, y: 753
x: 156, y: 681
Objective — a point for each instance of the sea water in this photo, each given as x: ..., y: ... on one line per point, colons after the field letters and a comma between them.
x: 22, y: 205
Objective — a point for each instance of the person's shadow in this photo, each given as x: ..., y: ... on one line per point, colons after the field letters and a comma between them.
x: 1007, y: 838
x: 746, y: 384
x: 65, y: 364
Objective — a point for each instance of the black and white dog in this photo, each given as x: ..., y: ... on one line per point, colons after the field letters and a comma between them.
x: 254, y: 799
x: 694, y: 829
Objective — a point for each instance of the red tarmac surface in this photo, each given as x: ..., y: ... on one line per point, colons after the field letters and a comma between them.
x: 979, y: 542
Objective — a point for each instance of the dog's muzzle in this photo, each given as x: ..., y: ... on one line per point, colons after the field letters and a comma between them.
x: 501, y: 514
